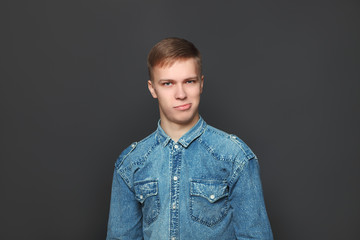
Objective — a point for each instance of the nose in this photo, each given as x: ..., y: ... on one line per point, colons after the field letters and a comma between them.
x: 180, y: 92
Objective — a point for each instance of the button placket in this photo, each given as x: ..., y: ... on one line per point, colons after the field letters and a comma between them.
x: 175, y: 163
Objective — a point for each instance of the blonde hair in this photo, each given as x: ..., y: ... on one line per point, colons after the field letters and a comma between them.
x: 169, y: 50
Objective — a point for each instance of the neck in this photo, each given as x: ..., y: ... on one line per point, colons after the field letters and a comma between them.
x: 174, y: 130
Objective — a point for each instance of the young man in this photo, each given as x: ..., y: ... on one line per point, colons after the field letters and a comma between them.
x: 187, y: 180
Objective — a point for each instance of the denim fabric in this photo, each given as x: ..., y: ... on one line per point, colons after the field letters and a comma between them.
x: 205, y: 186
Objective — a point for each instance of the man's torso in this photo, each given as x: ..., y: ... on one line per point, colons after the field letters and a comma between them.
x: 184, y: 187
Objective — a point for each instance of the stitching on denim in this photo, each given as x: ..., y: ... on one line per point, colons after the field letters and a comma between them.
x: 149, y: 220
x: 224, y: 198
x: 217, y: 131
x: 249, y: 155
x: 156, y: 200
x: 220, y: 182
x: 211, y: 223
x: 213, y: 153
x: 124, y: 171
x: 239, y: 167
x: 122, y: 157
x: 197, y: 133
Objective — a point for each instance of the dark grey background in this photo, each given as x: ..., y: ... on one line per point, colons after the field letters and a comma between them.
x: 282, y: 75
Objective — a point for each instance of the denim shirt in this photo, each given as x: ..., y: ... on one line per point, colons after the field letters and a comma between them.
x: 205, y: 186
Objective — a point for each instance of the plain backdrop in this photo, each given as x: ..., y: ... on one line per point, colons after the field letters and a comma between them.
x: 282, y: 75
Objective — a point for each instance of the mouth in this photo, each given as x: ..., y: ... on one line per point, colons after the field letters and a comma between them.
x: 183, y: 107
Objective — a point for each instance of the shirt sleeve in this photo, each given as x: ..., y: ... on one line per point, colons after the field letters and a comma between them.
x: 250, y: 219
x: 125, y: 217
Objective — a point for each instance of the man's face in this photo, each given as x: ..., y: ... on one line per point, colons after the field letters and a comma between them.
x: 178, y: 89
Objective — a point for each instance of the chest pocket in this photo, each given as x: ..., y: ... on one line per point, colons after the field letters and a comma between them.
x: 146, y: 192
x: 208, y: 201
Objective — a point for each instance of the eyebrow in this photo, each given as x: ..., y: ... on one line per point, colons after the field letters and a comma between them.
x: 189, y: 78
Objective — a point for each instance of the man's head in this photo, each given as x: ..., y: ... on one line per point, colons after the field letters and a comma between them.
x: 176, y: 81
x: 169, y: 50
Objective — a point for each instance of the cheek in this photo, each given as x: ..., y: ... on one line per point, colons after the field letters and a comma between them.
x: 195, y: 92
x: 164, y: 99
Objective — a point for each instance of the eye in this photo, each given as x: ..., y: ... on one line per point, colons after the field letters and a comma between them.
x: 167, y: 84
x: 190, y: 81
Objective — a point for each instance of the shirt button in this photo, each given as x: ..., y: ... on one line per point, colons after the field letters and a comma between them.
x: 141, y: 197
x: 175, y: 178
x: 212, y: 196
x: 174, y: 206
x: 176, y: 146
x: 173, y: 238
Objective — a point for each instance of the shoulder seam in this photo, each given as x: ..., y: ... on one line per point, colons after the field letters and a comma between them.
x: 212, y: 151
x: 133, y: 146
x: 234, y: 139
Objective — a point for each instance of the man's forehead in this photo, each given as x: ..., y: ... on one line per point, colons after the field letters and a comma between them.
x: 169, y: 62
x: 178, y: 70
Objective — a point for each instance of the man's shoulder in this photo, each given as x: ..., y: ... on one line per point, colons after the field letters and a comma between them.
x: 136, y: 151
x: 225, y: 144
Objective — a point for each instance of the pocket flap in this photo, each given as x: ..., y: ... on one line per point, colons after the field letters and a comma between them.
x: 212, y: 190
x: 145, y: 189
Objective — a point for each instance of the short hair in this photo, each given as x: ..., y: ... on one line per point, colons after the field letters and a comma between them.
x: 166, y: 52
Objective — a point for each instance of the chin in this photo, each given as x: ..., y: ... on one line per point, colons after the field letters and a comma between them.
x: 185, y: 119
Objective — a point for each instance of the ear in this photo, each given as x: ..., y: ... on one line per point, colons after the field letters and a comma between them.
x: 201, y: 83
x: 152, y: 89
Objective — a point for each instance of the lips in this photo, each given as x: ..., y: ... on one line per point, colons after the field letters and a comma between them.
x: 183, y: 107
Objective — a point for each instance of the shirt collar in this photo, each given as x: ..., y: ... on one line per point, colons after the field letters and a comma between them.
x: 187, y: 138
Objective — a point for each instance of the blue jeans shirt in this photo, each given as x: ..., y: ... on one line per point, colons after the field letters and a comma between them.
x: 205, y: 186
